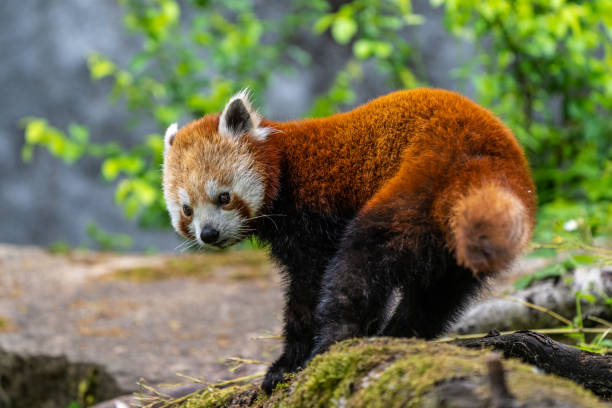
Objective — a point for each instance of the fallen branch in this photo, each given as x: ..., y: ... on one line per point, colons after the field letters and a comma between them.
x: 592, y: 370
x: 543, y: 305
x: 577, y: 330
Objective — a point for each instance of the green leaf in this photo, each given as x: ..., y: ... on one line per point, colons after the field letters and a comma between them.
x: 100, y: 67
x: 35, y: 130
x: 112, y: 166
x: 550, y: 271
x: 523, y: 282
x: 166, y: 114
x: 585, y: 296
x: 382, y: 49
x: 78, y: 133
x: 413, y: 19
x: 585, y: 259
x: 343, y: 29
x: 323, y: 23
x: 362, y: 48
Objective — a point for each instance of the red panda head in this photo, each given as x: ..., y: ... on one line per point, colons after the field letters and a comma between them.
x: 213, y: 184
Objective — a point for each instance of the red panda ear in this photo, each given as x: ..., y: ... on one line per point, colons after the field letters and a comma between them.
x: 169, y: 136
x: 239, y: 118
x: 235, y: 119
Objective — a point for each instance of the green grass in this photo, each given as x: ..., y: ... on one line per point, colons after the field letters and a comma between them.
x: 240, y: 265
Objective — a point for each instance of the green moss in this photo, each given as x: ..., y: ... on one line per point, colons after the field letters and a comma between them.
x: 214, y: 397
x: 407, y: 379
x: 262, y: 398
x: 59, y: 247
x: 526, y: 387
x: 243, y: 265
x: 246, y: 273
x: 5, y: 325
x: 329, y: 379
x: 384, y: 372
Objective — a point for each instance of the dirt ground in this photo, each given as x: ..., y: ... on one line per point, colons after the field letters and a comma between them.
x: 141, y: 316
x: 147, y: 316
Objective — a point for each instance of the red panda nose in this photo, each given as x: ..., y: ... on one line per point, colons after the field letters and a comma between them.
x: 209, y: 235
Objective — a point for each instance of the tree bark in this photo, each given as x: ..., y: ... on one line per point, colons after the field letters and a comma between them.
x: 591, y: 370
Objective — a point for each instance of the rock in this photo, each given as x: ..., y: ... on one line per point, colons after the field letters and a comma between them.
x: 556, y: 294
x: 51, y: 382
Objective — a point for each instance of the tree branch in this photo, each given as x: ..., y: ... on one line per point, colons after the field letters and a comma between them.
x: 591, y: 370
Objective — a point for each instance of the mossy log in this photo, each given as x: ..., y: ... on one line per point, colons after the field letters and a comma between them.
x: 592, y: 370
x: 385, y: 372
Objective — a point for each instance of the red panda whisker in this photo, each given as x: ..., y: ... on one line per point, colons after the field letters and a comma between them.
x: 182, y: 244
x: 191, y: 245
x: 268, y: 216
x: 265, y: 215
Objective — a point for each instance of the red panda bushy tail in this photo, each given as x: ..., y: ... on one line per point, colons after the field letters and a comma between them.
x: 489, y: 228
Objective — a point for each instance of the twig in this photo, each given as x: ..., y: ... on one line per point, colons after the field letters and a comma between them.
x: 500, y: 395
x: 268, y: 337
x: 239, y: 380
x: 600, y: 320
x: 538, y: 308
x: 575, y: 244
x: 246, y: 361
x: 449, y: 339
x: 190, y: 378
x: 237, y: 362
x: 167, y: 401
x: 153, y: 390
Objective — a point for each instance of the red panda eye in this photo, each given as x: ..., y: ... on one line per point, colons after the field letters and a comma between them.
x: 187, y: 210
x: 224, y: 198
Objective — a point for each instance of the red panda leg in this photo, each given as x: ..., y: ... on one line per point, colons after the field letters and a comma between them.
x: 298, y: 330
x: 389, y: 243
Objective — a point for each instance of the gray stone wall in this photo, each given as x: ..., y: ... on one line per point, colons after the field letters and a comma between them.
x: 44, y: 46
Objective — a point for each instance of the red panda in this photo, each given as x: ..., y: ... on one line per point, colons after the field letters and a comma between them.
x: 421, y: 192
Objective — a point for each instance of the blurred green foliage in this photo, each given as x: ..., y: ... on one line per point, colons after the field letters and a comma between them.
x: 544, y: 66
x: 190, y: 66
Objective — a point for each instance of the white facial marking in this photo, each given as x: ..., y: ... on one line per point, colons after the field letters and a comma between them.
x: 183, y: 196
x: 249, y: 186
x: 213, y: 190
x: 175, y: 208
x: 228, y: 223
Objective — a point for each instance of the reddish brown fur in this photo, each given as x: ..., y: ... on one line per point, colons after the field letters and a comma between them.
x: 422, y: 130
x: 183, y: 226
x: 238, y: 203
x: 434, y: 145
